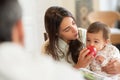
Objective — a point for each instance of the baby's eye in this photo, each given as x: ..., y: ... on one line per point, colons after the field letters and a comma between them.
x: 96, y: 42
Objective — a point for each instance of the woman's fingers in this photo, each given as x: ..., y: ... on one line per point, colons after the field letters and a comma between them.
x: 111, y: 61
x: 89, y: 57
x: 113, y: 67
x: 84, y: 58
x: 84, y: 52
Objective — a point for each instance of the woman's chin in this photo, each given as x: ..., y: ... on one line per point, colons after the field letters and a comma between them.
x: 75, y: 38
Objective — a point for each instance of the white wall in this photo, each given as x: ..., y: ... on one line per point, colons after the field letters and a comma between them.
x: 69, y: 5
x: 106, y: 5
x: 33, y: 19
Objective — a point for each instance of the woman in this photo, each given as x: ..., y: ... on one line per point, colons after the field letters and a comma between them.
x: 65, y: 39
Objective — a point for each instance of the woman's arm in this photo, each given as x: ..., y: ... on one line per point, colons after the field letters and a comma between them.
x: 113, y: 67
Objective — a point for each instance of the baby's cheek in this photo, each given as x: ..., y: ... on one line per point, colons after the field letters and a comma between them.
x: 100, y: 47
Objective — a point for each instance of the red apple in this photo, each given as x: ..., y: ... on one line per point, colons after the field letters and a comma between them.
x: 92, y: 50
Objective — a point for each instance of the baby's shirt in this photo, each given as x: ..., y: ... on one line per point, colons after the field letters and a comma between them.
x: 103, y: 57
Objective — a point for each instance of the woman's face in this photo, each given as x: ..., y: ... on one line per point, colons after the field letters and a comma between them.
x: 68, y: 29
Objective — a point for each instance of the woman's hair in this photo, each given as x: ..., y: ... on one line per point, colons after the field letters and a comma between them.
x: 53, y: 18
x: 98, y: 26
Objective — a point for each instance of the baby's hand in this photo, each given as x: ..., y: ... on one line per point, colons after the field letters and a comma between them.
x: 100, y: 59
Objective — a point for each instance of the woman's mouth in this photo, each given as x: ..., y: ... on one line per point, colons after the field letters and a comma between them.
x: 76, y: 35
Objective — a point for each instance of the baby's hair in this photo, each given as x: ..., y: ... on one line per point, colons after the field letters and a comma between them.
x: 98, y: 26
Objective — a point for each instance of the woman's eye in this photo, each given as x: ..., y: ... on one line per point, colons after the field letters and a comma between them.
x: 73, y: 23
x: 67, y: 29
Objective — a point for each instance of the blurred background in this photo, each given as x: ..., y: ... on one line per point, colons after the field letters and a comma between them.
x: 34, y: 10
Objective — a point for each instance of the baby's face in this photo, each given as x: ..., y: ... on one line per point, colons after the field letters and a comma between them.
x: 96, y: 40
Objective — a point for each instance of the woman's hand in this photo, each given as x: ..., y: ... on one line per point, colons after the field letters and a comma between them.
x: 84, y: 59
x: 113, y: 67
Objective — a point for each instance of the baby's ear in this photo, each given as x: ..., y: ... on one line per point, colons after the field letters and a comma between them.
x: 108, y: 41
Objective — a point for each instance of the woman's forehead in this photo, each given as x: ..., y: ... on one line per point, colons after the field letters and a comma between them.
x: 67, y: 21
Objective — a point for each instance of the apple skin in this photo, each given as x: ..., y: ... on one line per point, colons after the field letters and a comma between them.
x: 92, y: 50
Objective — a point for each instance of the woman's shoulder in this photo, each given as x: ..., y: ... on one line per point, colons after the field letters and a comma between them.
x: 82, y: 34
x: 81, y: 29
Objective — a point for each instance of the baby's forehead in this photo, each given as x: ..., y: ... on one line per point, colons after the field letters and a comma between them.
x: 105, y: 35
x: 100, y: 33
x: 96, y: 31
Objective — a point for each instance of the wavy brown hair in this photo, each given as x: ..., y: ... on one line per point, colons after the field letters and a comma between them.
x: 53, y: 18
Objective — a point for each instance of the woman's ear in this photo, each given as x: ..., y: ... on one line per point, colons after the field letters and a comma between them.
x: 21, y: 32
x: 17, y: 33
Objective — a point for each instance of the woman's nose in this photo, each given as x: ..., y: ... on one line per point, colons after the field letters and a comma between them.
x: 73, y: 29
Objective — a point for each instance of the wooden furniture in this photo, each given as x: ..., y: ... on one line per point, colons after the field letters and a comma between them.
x: 115, y: 38
x: 107, y: 17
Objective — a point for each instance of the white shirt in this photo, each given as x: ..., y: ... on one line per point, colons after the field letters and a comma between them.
x: 17, y: 64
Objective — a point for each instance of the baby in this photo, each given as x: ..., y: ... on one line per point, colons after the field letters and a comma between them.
x: 98, y: 35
